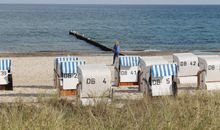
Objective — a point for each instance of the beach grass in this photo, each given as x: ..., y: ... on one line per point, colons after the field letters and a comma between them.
x: 199, y: 111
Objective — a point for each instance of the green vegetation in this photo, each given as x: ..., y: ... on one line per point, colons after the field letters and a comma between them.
x: 186, y: 112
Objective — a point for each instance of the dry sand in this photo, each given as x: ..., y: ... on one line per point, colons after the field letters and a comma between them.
x: 33, y: 74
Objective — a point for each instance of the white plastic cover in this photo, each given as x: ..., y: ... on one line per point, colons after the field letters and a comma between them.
x: 161, y: 86
x: 187, y: 64
x: 95, y: 80
x: 213, y: 86
x: 188, y: 80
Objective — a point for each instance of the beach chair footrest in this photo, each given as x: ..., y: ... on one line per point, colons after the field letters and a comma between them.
x: 69, y: 92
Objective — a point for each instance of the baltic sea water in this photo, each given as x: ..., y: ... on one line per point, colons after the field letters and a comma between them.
x: 26, y: 28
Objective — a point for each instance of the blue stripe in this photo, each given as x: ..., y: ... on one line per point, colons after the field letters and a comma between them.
x: 137, y: 60
x: 164, y: 69
x: 76, y: 64
x: 61, y: 67
x: 10, y: 64
x: 152, y: 71
x: 168, y: 69
x: 133, y: 60
x: 73, y: 66
x: 6, y: 64
x: 66, y: 67
x: 130, y: 61
x: 160, y: 67
x: 3, y: 65
x: 69, y: 67
x: 172, y: 69
x: 120, y: 62
x: 156, y: 70
x: 126, y: 61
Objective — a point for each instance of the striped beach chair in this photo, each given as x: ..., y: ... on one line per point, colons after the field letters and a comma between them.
x: 58, y: 61
x: 6, y: 81
x: 162, y: 80
x: 126, y: 72
x: 66, y: 74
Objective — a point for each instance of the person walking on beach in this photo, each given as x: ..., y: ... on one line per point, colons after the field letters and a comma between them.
x: 116, y: 50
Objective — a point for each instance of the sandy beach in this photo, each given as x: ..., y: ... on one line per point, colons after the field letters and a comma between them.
x: 33, y: 73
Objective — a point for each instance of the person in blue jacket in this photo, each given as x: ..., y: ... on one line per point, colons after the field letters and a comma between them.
x: 116, y: 50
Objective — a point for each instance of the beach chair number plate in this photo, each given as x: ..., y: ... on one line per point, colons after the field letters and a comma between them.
x: 92, y: 81
x: 211, y: 67
x: 124, y: 72
x: 74, y: 75
x: 184, y: 63
x: 158, y: 81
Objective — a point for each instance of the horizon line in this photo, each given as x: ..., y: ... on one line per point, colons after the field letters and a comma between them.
x: 100, y: 4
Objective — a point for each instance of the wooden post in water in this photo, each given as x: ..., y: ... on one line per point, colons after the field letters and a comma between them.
x: 90, y: 41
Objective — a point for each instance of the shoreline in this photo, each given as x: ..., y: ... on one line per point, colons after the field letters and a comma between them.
x: 101, y: 53
x: 96, y: 53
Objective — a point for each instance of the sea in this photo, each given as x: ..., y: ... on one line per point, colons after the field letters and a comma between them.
x: 33, y: 28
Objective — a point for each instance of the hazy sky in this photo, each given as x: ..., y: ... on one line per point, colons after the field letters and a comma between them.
x: 114, y: 1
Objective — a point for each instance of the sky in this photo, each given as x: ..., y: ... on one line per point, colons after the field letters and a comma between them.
x: 113, y: 1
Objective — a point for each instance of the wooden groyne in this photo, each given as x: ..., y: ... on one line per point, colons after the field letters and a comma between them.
x: 90, y: 41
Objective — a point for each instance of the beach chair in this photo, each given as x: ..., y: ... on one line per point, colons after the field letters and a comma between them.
x: 66, y: 76
x: 94, y: 84
x: 187, y: 64
x: 145, y: 64
x: 126, y: 71
x: 209, y: 71
x: 6, y: 82
x: 158, y: 79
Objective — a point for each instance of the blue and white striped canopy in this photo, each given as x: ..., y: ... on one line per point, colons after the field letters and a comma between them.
x: 129, y: 60
x: 70, y: 67
x: 163, y: 70
x: 5, y: 64
x: 66, y: 58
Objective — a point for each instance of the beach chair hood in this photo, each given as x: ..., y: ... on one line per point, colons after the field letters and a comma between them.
x: 5, y: 64
x: 128, y: 61
x: 70, y: 67
x: 163, y: 70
